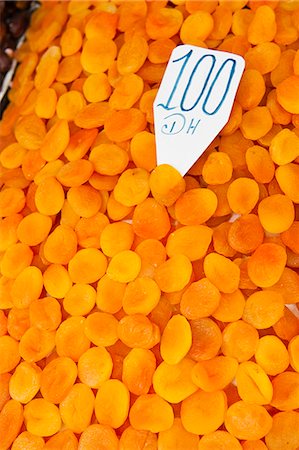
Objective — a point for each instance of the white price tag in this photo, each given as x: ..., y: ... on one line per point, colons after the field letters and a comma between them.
x: 194, y: 102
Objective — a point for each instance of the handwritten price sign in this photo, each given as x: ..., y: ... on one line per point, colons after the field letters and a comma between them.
x: 194, y: 103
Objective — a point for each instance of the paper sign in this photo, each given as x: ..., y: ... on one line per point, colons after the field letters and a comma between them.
x: 194, y: 102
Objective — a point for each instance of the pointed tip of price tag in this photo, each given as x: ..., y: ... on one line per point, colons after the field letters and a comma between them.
x: 194, y: 103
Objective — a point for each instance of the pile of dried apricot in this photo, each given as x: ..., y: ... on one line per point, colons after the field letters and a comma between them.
x: 140, y: 309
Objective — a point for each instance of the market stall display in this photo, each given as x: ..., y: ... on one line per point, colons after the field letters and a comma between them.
x: 140, y: 308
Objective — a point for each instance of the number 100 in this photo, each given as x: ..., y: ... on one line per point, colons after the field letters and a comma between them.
x: 213, y: 89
